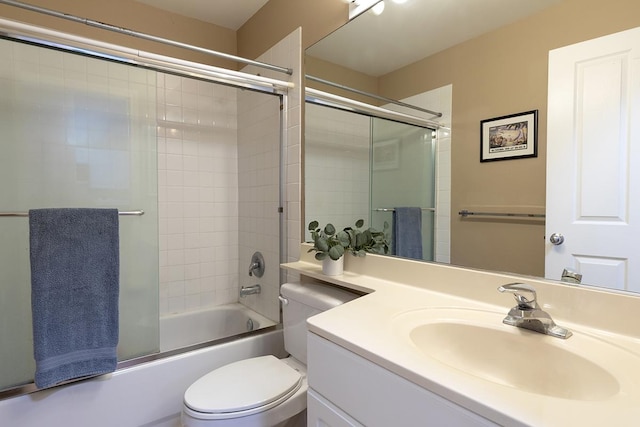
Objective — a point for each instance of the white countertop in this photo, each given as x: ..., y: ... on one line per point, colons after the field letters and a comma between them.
x: 368, y: 327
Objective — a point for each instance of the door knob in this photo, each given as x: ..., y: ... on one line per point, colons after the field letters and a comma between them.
x: 556, y: 239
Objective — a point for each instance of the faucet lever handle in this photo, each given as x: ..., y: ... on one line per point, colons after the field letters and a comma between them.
x: 524, y: 303
x: 257, y: 265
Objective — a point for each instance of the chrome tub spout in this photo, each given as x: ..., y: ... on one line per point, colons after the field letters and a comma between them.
x: 250, y: 290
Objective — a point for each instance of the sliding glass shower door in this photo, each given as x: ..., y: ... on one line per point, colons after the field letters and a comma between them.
x: 76, y: 131
x: 403, y: 165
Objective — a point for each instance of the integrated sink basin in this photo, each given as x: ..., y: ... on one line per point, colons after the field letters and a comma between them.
x: 477, y: 343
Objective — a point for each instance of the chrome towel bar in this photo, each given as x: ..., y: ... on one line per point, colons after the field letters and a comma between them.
x: 137, y: 213
x: 393, y: 209
x: 464, y: 213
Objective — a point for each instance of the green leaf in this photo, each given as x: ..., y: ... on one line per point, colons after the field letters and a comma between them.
x: 321, y: 255
x: 330, y: 230
x: 352, y: 236
x: 343, y: 238
x: 322, y: 244
x: 313, y: 225
x: 359, y: 223
x: 336, y: 252
x: 363, y: 238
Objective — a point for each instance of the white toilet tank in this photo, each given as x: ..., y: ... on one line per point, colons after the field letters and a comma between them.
x: 302, y: 301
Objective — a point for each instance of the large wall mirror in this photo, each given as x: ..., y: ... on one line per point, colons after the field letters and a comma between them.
x: 490, y: 59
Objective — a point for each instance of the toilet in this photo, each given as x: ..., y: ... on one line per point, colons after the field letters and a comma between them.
x: 264, y: 391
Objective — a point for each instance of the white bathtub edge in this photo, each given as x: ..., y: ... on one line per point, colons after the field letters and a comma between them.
x: 146, y: 395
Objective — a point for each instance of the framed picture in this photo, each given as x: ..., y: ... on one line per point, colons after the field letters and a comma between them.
x: 509, y: 137
x: 386, y: 154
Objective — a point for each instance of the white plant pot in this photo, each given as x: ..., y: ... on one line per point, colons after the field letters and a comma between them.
x: 331, y: 267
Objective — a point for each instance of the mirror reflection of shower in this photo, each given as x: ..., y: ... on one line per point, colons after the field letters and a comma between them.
x: 357, y: 166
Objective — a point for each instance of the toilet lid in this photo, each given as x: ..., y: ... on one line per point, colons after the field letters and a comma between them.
x: 243, y: 385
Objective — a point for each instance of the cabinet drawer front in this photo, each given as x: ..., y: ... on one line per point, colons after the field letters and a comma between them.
x: 321, y: 413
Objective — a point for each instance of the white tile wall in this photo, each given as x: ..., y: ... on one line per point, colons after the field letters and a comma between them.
x: 337, y: 167
x: 197, y: 193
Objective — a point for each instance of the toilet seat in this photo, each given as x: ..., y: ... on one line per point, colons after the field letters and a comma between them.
x: 242, y: 388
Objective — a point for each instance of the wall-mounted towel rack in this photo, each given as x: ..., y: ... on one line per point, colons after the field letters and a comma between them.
x: 464, y: 213
x: 138, y: 213
x: 393, y: 209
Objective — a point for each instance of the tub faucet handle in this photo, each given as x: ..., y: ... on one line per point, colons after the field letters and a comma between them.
x: 257, y: 265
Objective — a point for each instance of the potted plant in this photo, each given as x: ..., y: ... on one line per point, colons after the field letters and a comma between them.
x: 330, y: 244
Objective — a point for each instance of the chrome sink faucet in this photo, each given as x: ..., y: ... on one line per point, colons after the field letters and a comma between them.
x: 528, y: 314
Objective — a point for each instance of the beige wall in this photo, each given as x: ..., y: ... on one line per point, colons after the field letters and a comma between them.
x: 278, y: 18
x: 134, y: 16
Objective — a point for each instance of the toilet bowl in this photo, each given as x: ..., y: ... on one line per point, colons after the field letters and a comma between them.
x: 264, y: 391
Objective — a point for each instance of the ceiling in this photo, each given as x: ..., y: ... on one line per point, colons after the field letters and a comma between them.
x: 405, y: 33
x: 225, y: 13
x: 424, y: 26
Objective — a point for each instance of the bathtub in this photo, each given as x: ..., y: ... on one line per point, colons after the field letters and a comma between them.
x: 185, y: 329
x: 146, y: 395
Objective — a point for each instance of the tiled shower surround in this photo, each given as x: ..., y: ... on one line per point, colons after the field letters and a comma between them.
x: 201, y: 159
x: 197, y: 193
x: 212, y: 174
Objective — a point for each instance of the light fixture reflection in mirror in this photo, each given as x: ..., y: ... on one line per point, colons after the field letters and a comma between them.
x: 378, y: 8
x: 358, y: 7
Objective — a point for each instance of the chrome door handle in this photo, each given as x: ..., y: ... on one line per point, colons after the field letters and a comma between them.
x: 556, y: 239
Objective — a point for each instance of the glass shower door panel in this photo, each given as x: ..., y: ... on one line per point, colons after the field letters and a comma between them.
x: 259, y: 158
x: 76, y: 132
x: 403, y: 175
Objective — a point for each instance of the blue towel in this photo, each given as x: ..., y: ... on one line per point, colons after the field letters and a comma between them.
x: 407, y: 233
x: 74, y: 292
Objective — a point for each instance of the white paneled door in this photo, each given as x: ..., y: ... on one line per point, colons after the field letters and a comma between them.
x: 593, y: 161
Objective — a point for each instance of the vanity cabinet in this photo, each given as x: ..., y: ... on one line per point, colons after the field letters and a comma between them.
x: 322, y: 413
x: 346, y: 389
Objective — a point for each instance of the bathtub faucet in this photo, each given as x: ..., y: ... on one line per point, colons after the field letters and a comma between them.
x: 250, y: 290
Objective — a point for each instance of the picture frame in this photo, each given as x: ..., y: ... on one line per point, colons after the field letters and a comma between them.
x: 386, y: 154
x: 509, y: 137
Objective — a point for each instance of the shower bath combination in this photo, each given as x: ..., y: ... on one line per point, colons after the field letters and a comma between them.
x: 184, y: 175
